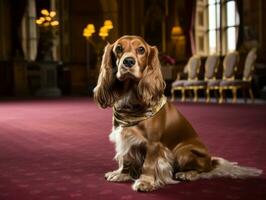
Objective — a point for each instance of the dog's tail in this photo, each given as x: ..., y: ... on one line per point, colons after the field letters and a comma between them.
x: 225, y: 168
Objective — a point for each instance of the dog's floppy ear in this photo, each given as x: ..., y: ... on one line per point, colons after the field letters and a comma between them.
x: 151, y: 86
x: 104, y: 93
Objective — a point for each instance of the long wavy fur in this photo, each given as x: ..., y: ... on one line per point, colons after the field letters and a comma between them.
x: 151, y: 86
x: 104, y: 93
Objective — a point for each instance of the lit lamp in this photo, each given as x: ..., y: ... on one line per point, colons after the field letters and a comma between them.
x: 47, y: 24
x: 103, y: 32
x: 88, y: 31
x: 176, y: 32
x: 178, y: 38
x: 47, y: 19
x: 108, y: 24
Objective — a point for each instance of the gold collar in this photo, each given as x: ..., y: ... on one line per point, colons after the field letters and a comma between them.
x: 126, y: 119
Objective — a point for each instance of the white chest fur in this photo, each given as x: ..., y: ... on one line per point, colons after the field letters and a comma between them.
x: 124, y: 139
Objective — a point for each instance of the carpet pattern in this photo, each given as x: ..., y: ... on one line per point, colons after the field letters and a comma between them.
x: 59, y: 149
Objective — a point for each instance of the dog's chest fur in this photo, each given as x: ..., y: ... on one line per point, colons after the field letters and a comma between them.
x: 130, y: 102
x: 124, y: 137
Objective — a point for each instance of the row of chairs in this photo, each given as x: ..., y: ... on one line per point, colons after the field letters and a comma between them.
x: 210, y: 82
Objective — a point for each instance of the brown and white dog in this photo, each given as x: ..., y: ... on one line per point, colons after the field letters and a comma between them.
x: 155, y: 144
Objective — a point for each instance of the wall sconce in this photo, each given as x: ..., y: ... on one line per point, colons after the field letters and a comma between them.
x: 103, y: 32
x: 47, y: 19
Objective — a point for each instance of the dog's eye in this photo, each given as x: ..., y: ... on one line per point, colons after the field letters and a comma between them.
x: 141, y: 50
x: 119, y: 49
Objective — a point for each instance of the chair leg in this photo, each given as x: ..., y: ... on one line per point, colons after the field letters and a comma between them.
x: 172, y: 94
x: 195, y: 90
x: 208, y: 95
x: 244, y: 95
x: 183, y: 95
x: 251, y: 95
x: 234, y: 92
x: 221, y: 91
x: 217, y: 95
x: 190, y: 95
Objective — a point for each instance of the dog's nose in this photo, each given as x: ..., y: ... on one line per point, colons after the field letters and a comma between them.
x: 129, y: 62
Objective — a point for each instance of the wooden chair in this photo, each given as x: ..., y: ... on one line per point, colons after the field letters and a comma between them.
x: 230, y: 63
x: 211, y: 67
x: 245, y: 83
x: 192, y: 68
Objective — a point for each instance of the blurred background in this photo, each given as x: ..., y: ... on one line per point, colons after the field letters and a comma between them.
x: 51, y: 48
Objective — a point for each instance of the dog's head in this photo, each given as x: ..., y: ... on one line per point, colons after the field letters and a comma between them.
x: 129, y: 59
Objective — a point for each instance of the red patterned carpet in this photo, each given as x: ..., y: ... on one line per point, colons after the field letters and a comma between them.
x: 59, y: 149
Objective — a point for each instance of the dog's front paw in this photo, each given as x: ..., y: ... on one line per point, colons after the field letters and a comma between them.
x: 141, y: 185
x: 116, y: 176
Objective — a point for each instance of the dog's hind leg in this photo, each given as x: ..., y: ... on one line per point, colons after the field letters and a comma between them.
x: 190, y: 162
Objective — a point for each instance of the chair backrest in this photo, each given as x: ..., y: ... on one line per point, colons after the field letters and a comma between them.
x: 230, y: 64
x: 249, y: 64
x: 193, y: 67
x: 211, y: 67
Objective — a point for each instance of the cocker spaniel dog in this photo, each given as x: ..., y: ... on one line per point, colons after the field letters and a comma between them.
x: 155, y: 144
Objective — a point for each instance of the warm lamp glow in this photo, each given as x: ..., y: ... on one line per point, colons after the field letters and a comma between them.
x: 176, y: 31
x: 91, y: 28
x: 55, y: 23
x: 108, y: 24
x: 52, y: 13
x: 103, y: 29
x: 38, y: 21
x: 46, y: 24
x: 47, y: 19
x: 86, y: 33
x: 103, y: 32
x: 45, y: 12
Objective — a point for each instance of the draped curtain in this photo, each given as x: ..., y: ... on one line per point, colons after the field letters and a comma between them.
x: 29, y: 31
x: 239, y: 4
x: 189, y: 27
x: 17, y: 12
